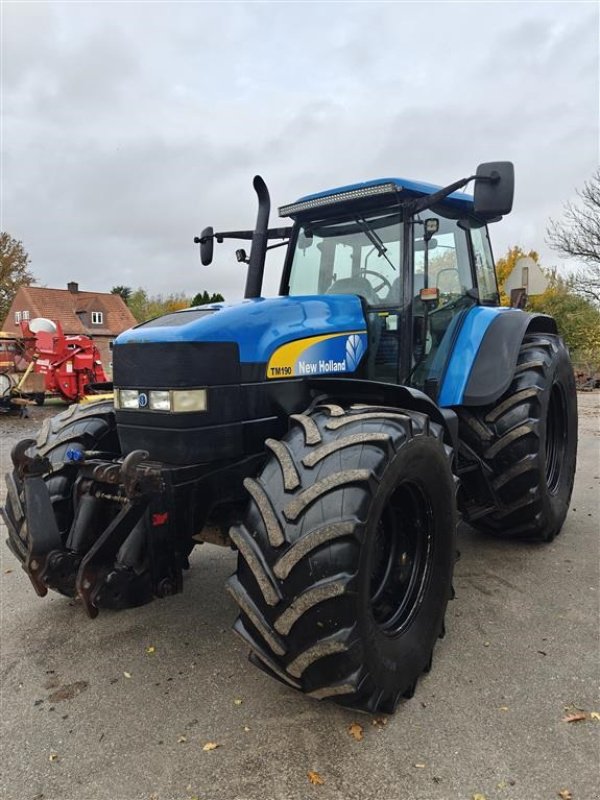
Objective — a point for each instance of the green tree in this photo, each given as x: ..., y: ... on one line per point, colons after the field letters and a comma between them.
x: 202, y: 298
x: 14, y: 271
x: 577, y: 318
x: 122, y: 291
x: 138, y: 301
x: 577, y: 235
x: 144, y: 306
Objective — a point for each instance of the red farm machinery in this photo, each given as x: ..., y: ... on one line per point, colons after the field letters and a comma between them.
x: 47, y: 362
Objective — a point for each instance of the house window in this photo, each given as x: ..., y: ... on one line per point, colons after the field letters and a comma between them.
x: 25, y: 316
x: 97, y: 318
x: 17, y: 317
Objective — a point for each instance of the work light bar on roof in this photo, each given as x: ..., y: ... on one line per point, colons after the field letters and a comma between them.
x: 338, y: 197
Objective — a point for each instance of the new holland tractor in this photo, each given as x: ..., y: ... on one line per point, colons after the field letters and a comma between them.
x: 333, y: 436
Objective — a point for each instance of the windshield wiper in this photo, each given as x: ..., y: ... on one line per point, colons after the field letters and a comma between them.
x: 375, y: 239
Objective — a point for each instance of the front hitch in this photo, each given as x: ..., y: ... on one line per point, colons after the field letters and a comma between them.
x: 101, y: 567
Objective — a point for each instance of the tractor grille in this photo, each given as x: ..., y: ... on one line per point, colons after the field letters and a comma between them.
x: 171, y: 365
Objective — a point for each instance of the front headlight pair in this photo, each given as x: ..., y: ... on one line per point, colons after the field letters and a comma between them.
x: 175, y: 400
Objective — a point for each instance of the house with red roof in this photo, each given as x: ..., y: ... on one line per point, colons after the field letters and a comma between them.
x: 101, y: 315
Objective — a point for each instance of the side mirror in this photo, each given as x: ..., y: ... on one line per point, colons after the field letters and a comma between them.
x: 494, y: 189
x: 207, y: 245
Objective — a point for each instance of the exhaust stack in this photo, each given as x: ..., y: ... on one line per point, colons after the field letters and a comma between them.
x: 256, y: 262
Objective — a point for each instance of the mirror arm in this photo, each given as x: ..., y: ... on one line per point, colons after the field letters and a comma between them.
x: 422, y: 203
x: 272, y: 233
x: 279, y: 244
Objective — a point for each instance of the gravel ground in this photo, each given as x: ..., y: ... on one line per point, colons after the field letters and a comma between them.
x: 87, y: 713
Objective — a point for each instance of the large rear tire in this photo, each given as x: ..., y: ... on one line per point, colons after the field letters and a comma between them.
x: 347, y: 553
x: 527, y: 441
x: 90, y: 427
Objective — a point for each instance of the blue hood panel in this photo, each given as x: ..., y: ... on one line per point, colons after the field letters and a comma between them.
x: 259, y: 326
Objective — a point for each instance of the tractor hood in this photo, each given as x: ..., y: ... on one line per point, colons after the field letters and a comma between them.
x: 244, y: 367
x: 277, y: 337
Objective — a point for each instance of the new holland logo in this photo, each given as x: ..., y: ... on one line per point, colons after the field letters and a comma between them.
x: 142, y: 400
x: 354, y: 351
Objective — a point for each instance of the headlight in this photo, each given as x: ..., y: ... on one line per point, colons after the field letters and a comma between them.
x: 160, y: 401
x: 127, y: 398
x: 178, y: 400
x: 189, y: 400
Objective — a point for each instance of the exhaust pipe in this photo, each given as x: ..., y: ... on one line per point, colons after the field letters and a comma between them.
x: 256, y: 262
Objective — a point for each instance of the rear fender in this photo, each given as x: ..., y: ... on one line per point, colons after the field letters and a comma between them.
x: 483, y: 359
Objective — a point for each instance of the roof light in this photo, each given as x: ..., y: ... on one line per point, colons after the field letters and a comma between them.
x: 339, y: 197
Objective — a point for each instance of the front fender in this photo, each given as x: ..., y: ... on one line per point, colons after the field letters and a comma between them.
x: 353, y: 390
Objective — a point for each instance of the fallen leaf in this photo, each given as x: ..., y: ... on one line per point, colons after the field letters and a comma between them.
x: 238, y: 701
x: 67, y: 692
x: 503, y: 708
x: 478, y: 797
x: 181, y: 739
x: 577, y: 717
x: 151, y: 649
x: 53, y: 757
x: 356, y: 731
x: 210, y: 746
x: 565, y: 794
x: 595, y: 715
x: 420, y: 766
x: 127, y: 674
x: 315, y: 778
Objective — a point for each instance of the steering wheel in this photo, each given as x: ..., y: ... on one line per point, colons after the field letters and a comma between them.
x: 384, y: 283
x: 449, y: 305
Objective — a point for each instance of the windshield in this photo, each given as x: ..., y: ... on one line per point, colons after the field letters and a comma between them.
x: 357, y: 255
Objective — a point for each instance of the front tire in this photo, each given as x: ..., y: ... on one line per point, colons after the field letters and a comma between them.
x: 91, y: 427
x: 347, y: 553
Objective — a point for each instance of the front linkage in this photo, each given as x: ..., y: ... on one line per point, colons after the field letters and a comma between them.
x: 119, y: 551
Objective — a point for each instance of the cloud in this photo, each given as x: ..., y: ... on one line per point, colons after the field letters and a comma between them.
x: 125, y: 134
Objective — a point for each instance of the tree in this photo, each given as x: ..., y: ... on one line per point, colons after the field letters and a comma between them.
x: 577, y: 318
x: 144, y: 306
x: 506, y: 264
x: 122, y: 291
x: 578, y: 236
x: 202, y: 298
x: 14, y: 271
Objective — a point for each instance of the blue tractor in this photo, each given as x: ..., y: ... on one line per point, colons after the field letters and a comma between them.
x: 333, y: 436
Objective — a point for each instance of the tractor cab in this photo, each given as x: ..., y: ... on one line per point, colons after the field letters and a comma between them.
x: 415, y: 272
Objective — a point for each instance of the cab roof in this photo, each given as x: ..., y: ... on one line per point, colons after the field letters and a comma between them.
x: 408, y: 188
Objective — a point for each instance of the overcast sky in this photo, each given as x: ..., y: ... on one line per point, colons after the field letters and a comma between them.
x: 128, y: 127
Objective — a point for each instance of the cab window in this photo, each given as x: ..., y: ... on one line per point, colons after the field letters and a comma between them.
x: 361, y: 255
x: 443, y: 265
x: 484, y: 266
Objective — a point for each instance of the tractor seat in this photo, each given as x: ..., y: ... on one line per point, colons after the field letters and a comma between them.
x: 358, y: 285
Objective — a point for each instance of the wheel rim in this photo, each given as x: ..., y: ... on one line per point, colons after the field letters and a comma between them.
x: 556, y: 437
x: 401, y: 558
